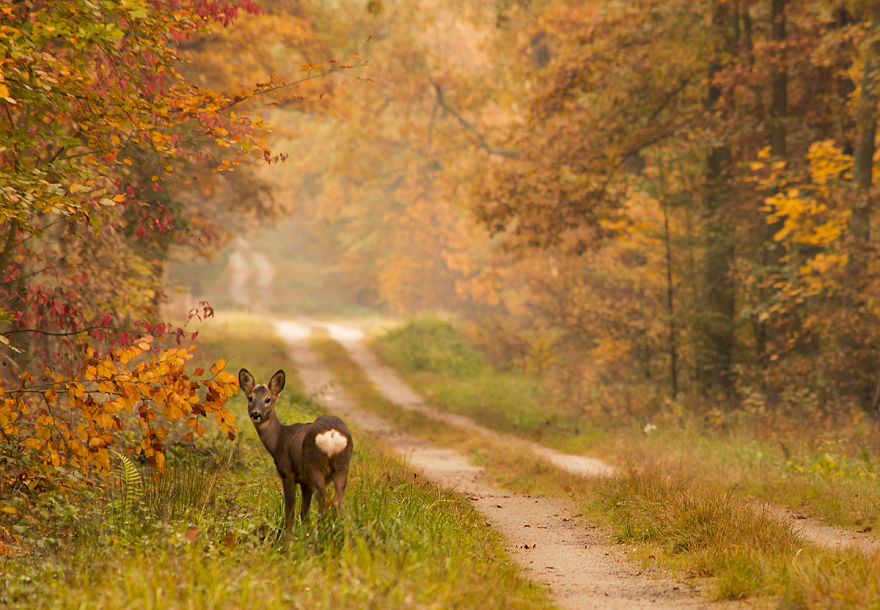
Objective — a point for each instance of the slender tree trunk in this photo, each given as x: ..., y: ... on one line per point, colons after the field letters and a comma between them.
x: 771, y: 252
x: 863, y: 162
x: 865, y: 378
x: 779, y: 103
x: 670, y: 305
x: 717, y: 321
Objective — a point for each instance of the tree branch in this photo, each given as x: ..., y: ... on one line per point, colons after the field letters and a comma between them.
x: 69, y: 333
x: 441, y: 100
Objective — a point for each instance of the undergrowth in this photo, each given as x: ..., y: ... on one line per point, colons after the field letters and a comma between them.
x: 444, y: 366
x: 827, y: 471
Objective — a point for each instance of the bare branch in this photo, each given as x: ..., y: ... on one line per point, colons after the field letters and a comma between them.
x: 492, y: 150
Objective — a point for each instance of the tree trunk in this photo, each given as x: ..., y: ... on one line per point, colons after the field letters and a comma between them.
x: 779, y: 103
x: 717, y: 321
x: 670, y: 304
x: 863, y: 162
x: 771, y: 252
x: 865, y: 377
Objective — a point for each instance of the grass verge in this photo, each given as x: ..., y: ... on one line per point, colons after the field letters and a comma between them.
x: 830, y: 473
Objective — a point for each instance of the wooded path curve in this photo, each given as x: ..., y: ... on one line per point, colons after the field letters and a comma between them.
x: 573, y: 558
x: 554, y: 547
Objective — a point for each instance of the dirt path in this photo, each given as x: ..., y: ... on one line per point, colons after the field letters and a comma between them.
x: 824, y: 535
x: 554, y: 547
x: 389, y: 384
x: 250, y: 272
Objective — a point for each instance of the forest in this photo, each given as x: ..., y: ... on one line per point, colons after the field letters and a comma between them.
x: 658, y: 211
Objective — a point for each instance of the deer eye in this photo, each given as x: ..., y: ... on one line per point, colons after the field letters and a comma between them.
x: 250, y: 398
x: 268, y: 400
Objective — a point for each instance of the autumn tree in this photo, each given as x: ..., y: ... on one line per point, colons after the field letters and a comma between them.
x: 100, y: 122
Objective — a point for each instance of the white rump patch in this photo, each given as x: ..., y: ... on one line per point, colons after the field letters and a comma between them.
x: 331, y: 442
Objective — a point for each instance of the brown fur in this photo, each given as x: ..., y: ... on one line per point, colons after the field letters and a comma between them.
x: 298, y: 459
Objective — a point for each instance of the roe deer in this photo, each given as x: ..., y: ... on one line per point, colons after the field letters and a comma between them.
x: 310, y: 455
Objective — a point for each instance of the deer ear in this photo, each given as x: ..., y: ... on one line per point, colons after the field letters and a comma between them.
x: 246, y: 382
x: 276, y: 384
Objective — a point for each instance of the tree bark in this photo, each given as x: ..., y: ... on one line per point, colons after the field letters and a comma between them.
x: 863, y: 161
x: 771, y: 252
x: 779, y: 103
x: 717, y: 321
x: 866, y: 383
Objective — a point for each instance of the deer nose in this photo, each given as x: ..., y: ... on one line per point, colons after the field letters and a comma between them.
x: 256, y: 416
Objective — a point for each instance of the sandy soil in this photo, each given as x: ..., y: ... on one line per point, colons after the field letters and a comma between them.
x: 555, y: 547
x: 821, y: 534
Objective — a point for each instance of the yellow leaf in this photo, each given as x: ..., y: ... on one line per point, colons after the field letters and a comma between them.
x: 218, y: 366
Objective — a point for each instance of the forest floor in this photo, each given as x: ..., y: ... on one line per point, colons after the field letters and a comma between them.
x: 554, y: 546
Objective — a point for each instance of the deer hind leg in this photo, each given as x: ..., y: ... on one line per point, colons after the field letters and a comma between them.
x: 321, y: 496
x: 340, y: 480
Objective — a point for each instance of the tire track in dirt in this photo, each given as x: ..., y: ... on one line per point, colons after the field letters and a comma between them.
x: 387, y: 382
x: 554, y: 547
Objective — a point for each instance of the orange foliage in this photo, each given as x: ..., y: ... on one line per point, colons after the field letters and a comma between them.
x: 75, y: 420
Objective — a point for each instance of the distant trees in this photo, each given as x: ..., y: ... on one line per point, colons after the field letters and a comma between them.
x: 775, y: 100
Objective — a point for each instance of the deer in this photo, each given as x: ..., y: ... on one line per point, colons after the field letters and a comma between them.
x: 310, y: 455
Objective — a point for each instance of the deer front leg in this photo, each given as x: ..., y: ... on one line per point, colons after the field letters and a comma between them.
x: 306, y: 501
x: 289, y: 486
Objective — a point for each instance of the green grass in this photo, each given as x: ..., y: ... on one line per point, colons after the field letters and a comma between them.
x: 207, y: 534
x: 441, y: 364
x: 684, y: 498
x: 403, y: 543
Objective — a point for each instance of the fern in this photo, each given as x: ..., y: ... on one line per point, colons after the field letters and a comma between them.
x: 130, y: 503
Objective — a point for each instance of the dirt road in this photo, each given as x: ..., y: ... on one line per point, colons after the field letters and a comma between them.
x: 390, y: 384
x: 554, y: 547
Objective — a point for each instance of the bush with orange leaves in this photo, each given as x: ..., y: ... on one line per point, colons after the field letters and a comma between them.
x: 74, y: 420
